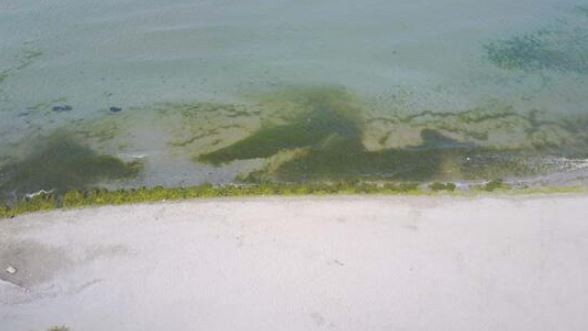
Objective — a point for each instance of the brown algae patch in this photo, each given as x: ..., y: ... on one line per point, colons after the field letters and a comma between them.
x: 60, y: 163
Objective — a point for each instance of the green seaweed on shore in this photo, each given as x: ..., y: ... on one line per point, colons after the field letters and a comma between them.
x: 438, y: 186
x: 99, y: 197
x: 94, y: 197
x: 494, y: 185
x: 59, y: 164
x: 36, y: 203
x: 58, y: 328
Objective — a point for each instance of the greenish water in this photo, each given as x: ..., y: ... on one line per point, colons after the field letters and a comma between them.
x: 60, y: 164
x: 181, y: 93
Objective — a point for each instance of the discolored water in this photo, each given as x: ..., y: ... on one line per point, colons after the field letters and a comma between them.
x: 131, y: 93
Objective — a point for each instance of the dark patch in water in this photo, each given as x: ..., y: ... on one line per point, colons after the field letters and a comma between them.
x: 61, y: 164
x: 325, y: 112
x: 583, y: 10
x: 328, y: 135
x: 115, y: 109
x: 3, y: 75
x: 341, y: 158
x: 25, y: 59
x: 62, y: 108
x: 564, y: 50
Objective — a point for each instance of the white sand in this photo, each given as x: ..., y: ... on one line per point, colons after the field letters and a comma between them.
x: 376, y: 263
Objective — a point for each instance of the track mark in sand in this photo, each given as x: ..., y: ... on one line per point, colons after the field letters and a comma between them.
x: 29, y: 270
x: 318, y: 319
x: 411, y: 227
x: 84, y: 286
x: 336, y: 262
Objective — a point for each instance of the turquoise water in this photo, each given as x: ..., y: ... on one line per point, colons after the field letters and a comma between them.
x: 185, y: 92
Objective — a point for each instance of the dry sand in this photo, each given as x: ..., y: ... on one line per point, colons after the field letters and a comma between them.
x: 342, y: 263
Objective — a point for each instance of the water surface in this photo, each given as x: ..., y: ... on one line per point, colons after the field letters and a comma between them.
x: 185, y: 92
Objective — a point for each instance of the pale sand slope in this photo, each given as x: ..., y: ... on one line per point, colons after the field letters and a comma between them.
x: 344, y: 263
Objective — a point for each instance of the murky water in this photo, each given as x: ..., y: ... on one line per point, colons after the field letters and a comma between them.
x: 179, y: 92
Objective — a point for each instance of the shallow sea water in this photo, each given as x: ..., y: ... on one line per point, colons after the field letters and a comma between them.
x: 185, y: 92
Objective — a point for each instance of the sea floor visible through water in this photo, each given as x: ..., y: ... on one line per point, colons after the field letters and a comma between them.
x: 189, y: 93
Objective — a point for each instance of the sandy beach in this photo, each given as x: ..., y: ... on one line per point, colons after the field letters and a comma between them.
x: 341, y: 263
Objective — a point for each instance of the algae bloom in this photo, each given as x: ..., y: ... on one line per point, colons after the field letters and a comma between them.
x: 323, y: 140
x: 59, y: 164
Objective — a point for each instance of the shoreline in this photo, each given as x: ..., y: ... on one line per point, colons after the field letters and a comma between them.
x: 74, y: 199
x: 301, y: 263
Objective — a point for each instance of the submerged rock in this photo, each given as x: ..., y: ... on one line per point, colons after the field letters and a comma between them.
x: 62, y: 108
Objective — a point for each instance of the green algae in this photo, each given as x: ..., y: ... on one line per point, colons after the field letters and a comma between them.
x: 201, y: 125
x: 324, y: 128
x: 562, y: 49
x: 313, y: 115
x: 493, y: 185
x: 437, y: 186
x: 494, y: 125
x: 46, y: 105
x: 60, y: 163
x: 37, y: 203
x: 437, y: 158
x: 58, y: 328
x: 319, y: 113
x: 94, y: 197
x: 346, y: 158
x: 321, y: 134
x: 583, y: 10
x: 322, y: 137
x: 26, y: 57
x: 327, y: 116
x: 100, y: 197
x: 4, y: 75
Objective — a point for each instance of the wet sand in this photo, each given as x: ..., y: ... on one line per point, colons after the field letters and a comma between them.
x: 341, y: 263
